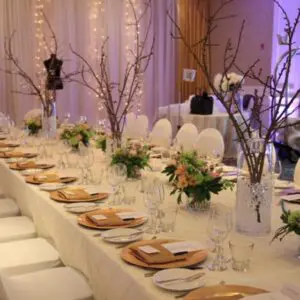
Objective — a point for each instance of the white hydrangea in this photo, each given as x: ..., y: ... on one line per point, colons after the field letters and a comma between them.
x: 222, y: 84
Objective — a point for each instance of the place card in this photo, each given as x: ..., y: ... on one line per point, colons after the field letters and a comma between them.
x: 130, y: 215
x: 148, y: 249
x: 295, y: 197
x: 98, y: 217
x: 183, y: 247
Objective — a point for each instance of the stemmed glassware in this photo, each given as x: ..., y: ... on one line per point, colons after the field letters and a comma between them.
x: 116, y: 175
x: 155, y: 195
x: 67, y: 117
x: 218, y: 227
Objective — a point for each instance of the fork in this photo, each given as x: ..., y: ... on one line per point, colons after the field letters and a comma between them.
x: 183, y: 279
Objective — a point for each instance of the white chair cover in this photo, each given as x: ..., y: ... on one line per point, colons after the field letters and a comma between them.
x: 8, y: 208
x: 16, y: 228
x: 210, y: 142
x: 186, y: 136
x: 297, y: 173
x: 62, y: 283
x: 27, y: 256
x: 142, y: 126
x: 129, y: 128
x: 161, y: 134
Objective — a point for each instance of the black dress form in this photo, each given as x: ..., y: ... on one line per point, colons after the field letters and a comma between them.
x: 53, y: 66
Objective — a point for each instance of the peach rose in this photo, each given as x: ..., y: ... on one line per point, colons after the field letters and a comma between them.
x: 180, y: 170
x: 182, y: 182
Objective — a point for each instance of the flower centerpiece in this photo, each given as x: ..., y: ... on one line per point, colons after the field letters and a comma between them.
x: 33, y: 121
x: 76, y: 134
x: 195, y: 178
x: 291, y: 219
x: 134, y: 156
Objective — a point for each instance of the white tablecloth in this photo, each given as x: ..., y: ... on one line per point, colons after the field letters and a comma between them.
x: 113, y: 279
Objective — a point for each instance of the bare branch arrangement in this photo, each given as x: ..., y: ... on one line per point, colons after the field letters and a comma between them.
x: 35, y: 84
x: 118, y: 98
x: 273, y: 86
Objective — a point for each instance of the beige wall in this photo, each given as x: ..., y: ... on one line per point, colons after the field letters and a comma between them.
x: 257, y: 37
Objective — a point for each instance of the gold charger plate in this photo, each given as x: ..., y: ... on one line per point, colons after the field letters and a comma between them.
x: 97, y: 197
x: 223, y: 292
x: 12, y: 155
x: 9, y: 145
x: 32, y: 180
x: 14, y: 166
x: 195, y: 258
x: 85, y: 221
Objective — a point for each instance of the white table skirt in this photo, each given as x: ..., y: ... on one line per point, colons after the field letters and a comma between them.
x: 113, y: 279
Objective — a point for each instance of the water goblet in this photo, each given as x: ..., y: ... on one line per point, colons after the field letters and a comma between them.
x: 218, y: 227
x: 116, y: 174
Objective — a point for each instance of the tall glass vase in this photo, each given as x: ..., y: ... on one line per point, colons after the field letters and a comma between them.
x: 49, y: 122
x: 254, y: 198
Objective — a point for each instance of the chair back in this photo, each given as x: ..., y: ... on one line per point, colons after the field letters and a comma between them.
x: 186, y: 137
x: 161, y: 133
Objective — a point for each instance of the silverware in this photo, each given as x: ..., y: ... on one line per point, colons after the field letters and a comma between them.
x: 182, y: 295
x: 183, y: 279
x: 152, y: 273
x: 232, y: 296
x: 126, y: 235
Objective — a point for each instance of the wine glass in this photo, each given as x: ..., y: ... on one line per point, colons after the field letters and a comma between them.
x: 67, y: 117
x: 277, y: 170
x: 218, y: 227
x: 116, y: 174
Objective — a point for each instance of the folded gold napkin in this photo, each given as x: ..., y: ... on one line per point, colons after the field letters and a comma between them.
x: 164, y: 256
x: 13, y: 154
x: 72, y: 194
x: 111, y: 220
x: 46, y: 178
x: 27, y: 164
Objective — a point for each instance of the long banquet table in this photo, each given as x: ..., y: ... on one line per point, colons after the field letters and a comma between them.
x: 113, y: 279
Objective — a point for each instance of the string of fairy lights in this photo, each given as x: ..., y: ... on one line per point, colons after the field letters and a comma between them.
x: 41, y: 46
x: 97, y: 37
x: 130, y: 44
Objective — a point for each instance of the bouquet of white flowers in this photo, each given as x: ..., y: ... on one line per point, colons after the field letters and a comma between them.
x: 33, y: 121
x: 230, y: 82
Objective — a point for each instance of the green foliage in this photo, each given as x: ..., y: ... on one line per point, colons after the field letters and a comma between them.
x: 33, y: 127
x: 291, y: 219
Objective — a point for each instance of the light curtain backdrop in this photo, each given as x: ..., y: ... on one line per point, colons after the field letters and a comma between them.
x: 74, y: 23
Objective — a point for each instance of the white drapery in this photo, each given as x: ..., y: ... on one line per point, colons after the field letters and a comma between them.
x: 74, y: 23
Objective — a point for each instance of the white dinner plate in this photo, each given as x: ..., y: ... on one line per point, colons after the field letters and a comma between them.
x: 122, y: 235
x: 31, y: 171
x: 228, y: 169
x: 281, y: 184
x: 49, y: 187
x: 15, y: 159
x: 81, y: 207
x: 178, y: 285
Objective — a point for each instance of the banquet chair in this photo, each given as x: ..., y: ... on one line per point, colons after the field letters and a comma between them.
x: 142, y: 126
x: 25, y: 256
x: 8, y: 208
x: 186, y: 137
x: 16, y: 228
x: 297, y: 173
x: 63, y: 283
x: 210, y: 142
x: 161, y: 134
x: 130, y: 125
